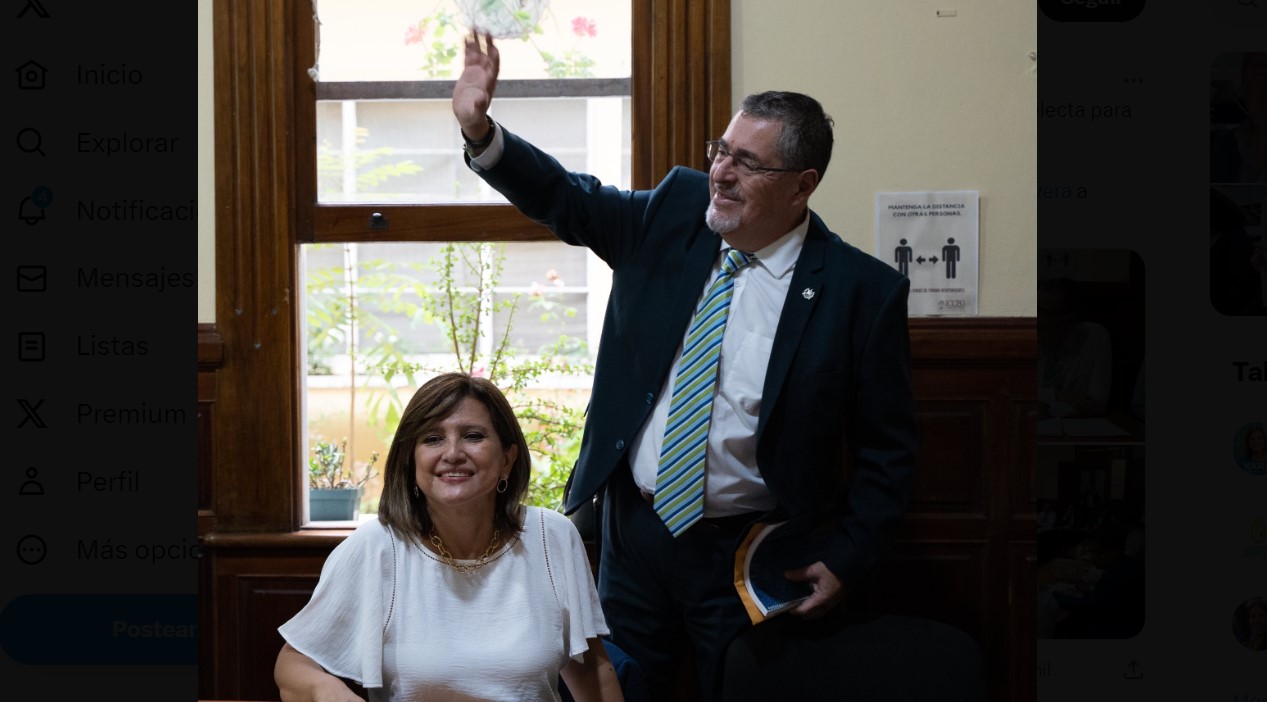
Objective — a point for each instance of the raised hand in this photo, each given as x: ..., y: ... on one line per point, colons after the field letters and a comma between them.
x: 473, y: 93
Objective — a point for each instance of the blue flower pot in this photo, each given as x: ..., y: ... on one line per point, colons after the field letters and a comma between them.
x: 339, y: 504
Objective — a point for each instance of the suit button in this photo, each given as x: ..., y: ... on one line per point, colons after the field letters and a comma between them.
x: 620, y: 444
x: 650, y: 398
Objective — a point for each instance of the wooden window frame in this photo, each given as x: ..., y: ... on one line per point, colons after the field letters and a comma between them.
x: 265, y: 165
x: 476, y: 221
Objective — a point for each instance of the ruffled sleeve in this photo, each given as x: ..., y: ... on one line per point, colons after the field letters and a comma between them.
x: 341, y: 627
x: 573, y: 584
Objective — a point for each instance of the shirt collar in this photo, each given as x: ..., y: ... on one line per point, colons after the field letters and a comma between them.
x: 779, y: 257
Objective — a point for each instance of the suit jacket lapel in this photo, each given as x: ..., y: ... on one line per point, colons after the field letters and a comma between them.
x: 804, y: 293
x: 699, y: 261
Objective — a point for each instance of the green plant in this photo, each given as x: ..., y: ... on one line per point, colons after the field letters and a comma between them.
x: 551, y: 427
x: 370, y: 173
x: 431, y: 32
x: 570, y: 64
x: 349, y: 308
x: 326, y: 469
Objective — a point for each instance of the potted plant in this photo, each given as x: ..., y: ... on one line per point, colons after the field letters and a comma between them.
x: 334, y: 492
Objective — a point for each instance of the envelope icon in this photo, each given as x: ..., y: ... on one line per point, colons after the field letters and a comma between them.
x: 32, y: 278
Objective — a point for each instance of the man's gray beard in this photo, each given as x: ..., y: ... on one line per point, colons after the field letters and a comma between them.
x: 722, y: 224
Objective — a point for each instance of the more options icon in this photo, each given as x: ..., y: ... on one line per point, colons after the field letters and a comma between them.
x: 32, y: 549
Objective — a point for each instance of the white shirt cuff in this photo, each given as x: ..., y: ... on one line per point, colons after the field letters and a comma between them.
x: 492, y: 153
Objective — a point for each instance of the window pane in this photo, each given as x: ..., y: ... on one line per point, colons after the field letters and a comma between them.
x: 406, y: 40
x: 379, y: 322
x: 409, y: 151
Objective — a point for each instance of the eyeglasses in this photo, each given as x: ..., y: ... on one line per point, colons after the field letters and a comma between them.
x: 716, y: 150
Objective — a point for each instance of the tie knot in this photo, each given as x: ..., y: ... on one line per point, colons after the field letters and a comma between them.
x: 735, y: 259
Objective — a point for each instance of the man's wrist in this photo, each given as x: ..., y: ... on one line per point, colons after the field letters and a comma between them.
x: 474, y: 146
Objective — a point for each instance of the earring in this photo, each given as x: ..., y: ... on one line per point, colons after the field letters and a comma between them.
x: 502, y: 486
x: 417, y: 492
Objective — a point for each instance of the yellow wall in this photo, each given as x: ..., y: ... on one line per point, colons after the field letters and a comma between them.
x: 206, y: 171
x: 921, y: 102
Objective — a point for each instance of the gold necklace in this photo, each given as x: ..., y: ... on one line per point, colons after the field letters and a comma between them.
x: 448, y: 559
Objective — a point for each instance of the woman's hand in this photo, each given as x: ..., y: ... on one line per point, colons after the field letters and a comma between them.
x: 593, y: 679
x: 473, y: 92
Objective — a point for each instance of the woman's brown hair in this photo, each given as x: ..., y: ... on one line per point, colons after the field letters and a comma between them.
x: 434, y: 401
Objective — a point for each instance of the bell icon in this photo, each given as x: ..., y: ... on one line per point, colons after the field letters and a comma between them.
x: 29, y: 212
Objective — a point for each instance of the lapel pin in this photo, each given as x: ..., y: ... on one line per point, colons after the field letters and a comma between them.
x: 808, y: 293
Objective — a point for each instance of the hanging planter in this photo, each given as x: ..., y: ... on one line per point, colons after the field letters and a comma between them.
x: 504, y: 19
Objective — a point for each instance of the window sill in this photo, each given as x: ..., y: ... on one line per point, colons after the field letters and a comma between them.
x: 315, y: 539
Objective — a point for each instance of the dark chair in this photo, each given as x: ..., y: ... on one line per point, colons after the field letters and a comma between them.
x: 860, y: 658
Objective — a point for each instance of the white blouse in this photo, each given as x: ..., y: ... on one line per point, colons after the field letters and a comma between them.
x: 396, y: 619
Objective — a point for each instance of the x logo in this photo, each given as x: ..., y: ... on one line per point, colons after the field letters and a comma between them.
x: 32, y: 414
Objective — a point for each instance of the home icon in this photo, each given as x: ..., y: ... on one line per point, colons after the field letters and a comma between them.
x: 31, y: 76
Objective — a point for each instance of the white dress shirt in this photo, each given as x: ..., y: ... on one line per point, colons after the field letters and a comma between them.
x: 733, y: 483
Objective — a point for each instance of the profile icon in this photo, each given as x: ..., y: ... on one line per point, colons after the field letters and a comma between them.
x: 1249, y: 448
x: 1249, y: 624
x: 32, y: 487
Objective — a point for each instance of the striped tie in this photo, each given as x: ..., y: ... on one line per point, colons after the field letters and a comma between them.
x: 679, y: 496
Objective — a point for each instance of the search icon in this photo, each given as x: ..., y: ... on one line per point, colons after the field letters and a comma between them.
x: 31, y: 141
x: 1249, y: 3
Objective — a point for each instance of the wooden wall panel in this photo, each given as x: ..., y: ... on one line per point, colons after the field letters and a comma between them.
x: 1021, y: 657
x: 1024, y: 497
x: 975, y: 388
x: 254, y: 584
x: 948, y: 476
x: 210, y: 358
x: 937, y: 580
x: 265, y: 602
x: 256, y: 253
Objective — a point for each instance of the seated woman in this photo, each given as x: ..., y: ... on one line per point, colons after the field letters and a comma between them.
x: 458, y: 591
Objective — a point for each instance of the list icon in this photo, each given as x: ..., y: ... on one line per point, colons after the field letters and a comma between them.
x: 30, y: 346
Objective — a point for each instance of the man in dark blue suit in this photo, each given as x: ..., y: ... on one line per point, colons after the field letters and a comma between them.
x: 812, y: 420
